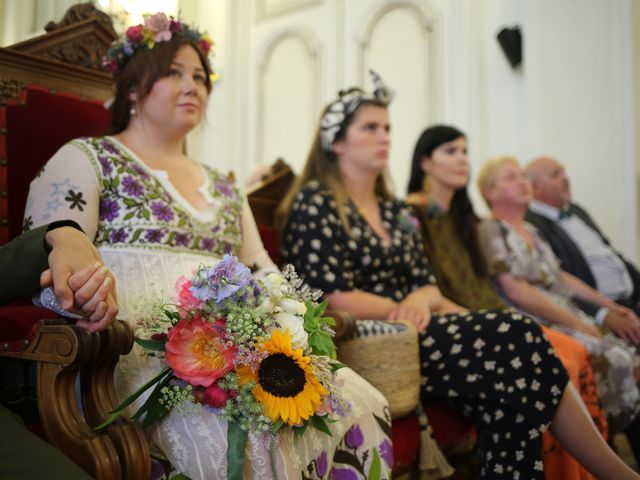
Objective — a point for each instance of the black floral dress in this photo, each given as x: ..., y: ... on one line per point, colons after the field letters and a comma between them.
x: 495, y: 366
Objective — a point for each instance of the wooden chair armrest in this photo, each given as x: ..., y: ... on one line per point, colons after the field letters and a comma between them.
x: 62, y: 352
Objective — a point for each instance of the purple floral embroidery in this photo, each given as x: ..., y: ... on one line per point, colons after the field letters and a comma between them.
x: 154, y: 235
x: 106, y: 144
x: 321, y: 464
x: 132, y: 187
x: 209, y: 244
x: 343, y: 474
x: 134, y: 196
x: 182, y: 239
x: 386, y: 452
x: 140, y: 171
x: 109, y: 210
x: 354, y: 437
x: 118, y: 236
x: 107, y: 168
x: 162, y: 211
x: 224, y: 188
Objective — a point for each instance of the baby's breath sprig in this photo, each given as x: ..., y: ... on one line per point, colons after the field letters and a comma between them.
x: 242, y: 406
x: 178, y: 396
x: 295, y: 287
x: 246, y: 325
x: 154, y: 316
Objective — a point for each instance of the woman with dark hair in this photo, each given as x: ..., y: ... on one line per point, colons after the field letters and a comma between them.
x: 347, y: 236
x: 155, y: 215
x: 438, y: 195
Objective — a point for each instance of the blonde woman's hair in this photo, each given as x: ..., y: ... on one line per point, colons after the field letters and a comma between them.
x: 489, y: 171
x: 323, y: 167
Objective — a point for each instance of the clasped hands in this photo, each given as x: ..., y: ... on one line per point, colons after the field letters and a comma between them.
x: 417, y: 307
x: 81, y: 282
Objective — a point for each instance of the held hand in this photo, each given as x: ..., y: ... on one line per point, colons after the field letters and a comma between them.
x: 416, y: 315
x: 624, y: 323
x: 79, y: 280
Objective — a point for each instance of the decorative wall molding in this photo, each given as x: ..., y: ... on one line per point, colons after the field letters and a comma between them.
x: 266, y: 9
x: 312, y: 48
x: 427, y: 21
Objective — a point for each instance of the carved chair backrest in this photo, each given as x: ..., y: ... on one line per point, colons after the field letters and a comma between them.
x: 51, y: 90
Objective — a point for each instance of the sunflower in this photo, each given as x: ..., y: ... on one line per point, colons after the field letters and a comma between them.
x: 285, y: 383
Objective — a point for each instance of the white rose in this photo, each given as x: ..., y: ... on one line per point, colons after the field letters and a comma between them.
x: 272, y: 284
x: 272, y: 288
x: 295, y: 326
x: 293, y: 307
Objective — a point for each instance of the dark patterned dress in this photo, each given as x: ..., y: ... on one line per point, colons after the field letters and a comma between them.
x: 495, y: 366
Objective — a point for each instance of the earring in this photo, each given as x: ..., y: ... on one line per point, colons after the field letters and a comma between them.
x: 132, y: 111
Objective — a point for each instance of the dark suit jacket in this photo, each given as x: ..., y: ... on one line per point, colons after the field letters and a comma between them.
x: 21, y: 263
x: 571, y: 258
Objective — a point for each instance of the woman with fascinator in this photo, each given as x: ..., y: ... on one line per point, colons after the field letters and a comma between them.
x: 346, y: 234
x: 155, y: 215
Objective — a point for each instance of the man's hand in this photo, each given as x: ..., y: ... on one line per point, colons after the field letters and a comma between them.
x: 79, y: 279
x: 624, y: 323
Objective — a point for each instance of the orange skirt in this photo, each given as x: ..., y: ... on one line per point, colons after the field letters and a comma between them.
x: 558, y: 463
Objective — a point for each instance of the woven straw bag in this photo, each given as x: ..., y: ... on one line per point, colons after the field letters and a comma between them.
x: 386, y: 355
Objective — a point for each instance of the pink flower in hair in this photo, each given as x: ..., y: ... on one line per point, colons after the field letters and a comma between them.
x: 158, y: 23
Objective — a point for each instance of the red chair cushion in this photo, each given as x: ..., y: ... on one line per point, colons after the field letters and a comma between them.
x: 18, y: 324
x: 270, y: 241
x: 450, y: 428
x: 406, y: 441
x: 36, y: 128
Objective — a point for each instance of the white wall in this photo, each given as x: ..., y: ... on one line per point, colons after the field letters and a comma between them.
x: 573, y: 98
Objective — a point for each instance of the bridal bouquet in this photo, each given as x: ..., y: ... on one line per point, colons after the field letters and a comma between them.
x: 260, y: 352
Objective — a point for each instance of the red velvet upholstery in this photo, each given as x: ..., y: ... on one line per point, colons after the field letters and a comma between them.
x: 32, y: 138
x: 451, y: 430
x: 270, y: 241
x: 406, y: 441
x: 18, y: 322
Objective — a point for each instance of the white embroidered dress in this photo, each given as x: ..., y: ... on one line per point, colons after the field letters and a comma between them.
x: 149, y: 235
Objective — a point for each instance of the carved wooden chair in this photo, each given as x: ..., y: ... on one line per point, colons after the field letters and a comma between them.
x: 52, y: 90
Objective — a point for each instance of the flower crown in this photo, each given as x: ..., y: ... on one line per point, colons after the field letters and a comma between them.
x: 157, y: 28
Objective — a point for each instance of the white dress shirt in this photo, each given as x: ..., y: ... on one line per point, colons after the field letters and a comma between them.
x: 610, y: 273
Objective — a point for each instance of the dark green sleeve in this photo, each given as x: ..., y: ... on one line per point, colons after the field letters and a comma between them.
x: 25, y: 456
x: 21, y: 262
